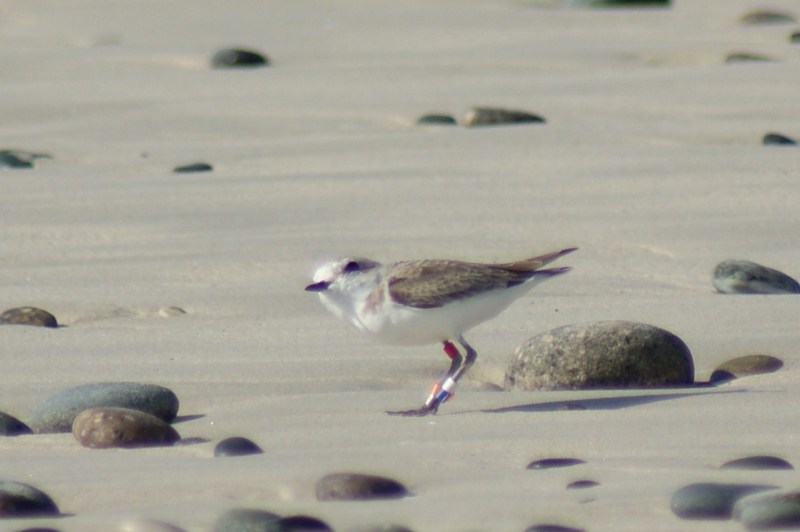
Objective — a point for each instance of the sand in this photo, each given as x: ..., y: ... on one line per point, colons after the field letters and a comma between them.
x: 651, y: 162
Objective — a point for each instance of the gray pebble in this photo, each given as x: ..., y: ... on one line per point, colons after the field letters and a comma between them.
x: 550, y: 463
x: 546, y: 527
x: 248, y: 520
x: 746, y: 57
x: 28, y: 316
x: 794, y: 37
x: 238, y: 58
x: 303, y: 523
x: 601, y: 354
x: 236, y: 446
x: 11, y: 426
x: 711, y: 500
x: 744, y: 366
x: 767, y: 17
x: 104, y: 427
x: 490, y: 116
x: 22, y: 500
x: 769, y: 511
x: 757, y: 462
x: 56, y: 413
x: 436, y: 120
x: 357, y: 486
x: 777, y: 139
x: 193, y: 168
x: 582, y: 484
x: 19, y: 159
x: 745, y: 277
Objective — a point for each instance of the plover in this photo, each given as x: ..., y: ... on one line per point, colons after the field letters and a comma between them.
x: 419, y: 302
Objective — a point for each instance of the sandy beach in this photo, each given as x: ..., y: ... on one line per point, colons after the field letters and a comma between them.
x: 650, y: 161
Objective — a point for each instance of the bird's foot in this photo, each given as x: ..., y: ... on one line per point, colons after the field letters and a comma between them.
x: 439, y: 394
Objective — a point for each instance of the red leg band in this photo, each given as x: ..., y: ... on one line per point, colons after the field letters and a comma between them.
x: 450, y: 350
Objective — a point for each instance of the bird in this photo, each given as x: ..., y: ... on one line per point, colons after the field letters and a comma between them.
x: 428, y: 301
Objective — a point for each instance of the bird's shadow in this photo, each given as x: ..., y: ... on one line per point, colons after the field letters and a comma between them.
x: 598, y: 403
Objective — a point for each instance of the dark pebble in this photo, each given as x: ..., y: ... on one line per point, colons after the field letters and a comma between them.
x: 602, y: 354
x: 248, y: 520
x: 745, y: 277
x: 19, y: 159
x: 767, y: 17
x: 489, y: 116
x: 21, y: 500
x: 550, y: 463
x: 757, y: 462
x: 192, y: 168
x: 11, y: 426
x: 623, y: 3
x: 582, y: 484
x: 57, y: 412
x: 236, y: 446
x: 769, y: 511
x: 356, y: 487
x: 382, y: 528
x: 238, y: 58
x: 28, y: 316
x: 776, y: 139
x: 794, y: 37
x: 711, y: 500
x: 746, y: 57
x: 143, y: 524
x: 552, y: 528
x: 303, y: 523
x: 436, y: 120
x: 104, y: 427
x: 744, y: 366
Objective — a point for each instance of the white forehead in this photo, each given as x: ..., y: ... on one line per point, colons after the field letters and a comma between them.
x: 327, y: 271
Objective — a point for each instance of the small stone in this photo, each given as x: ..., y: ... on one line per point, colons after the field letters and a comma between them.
x: 582, y: 484
x: 550, y: 463
x: 769, y: 511
x: 248, y: 520
x: 436, y: 120
x: 171, y: 312
x: 357, y: 486
x: 147, y: 525
x: 794, y: 37
x: 744, y: 366
x: 238, y: 58
x: 19, y: 159
x: 193, y: 168
x: 28, y: 316
x: 21, y: 500
x: 776, y: 139
x: 104, y: 427
x: 552, y: 528
x: 11, y: 426
x: 767, y: 17
x: 601, y: 354
x: 711, y: 500
x: 57, y: 412
x: 490, y: 116
x: 236, y: 446
x: 303, y: 523
x: 746, y: 57
x: 745, y: 277
x: 757, y: 462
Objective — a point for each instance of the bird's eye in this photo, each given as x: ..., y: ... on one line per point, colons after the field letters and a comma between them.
x: 351, y: 266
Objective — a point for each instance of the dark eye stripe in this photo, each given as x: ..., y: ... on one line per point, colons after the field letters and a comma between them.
x: 351, y: 266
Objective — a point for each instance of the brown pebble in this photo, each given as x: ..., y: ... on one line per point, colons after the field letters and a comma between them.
x: 28, y: 316
x: 744, y: 366
x: 105, y: 427
x: 356, y: 486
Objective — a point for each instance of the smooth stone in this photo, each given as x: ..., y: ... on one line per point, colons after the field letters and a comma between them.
x: 769, y: 511
x: 746, y: 57
x: 11, y: 426
x: 238, y: 58
x: 490, y: 116
x: 193, y: 168
x: 148, y: 525
x: 757, y: 462
x: 767, y: 17
x: 22, y: 500
x: 381, y: 528
x: 104, y: 427
x: 28, y: 316
x: 550, y: 463
x: 711, y: 500
x: 436, y: 120
x: 600, y: 354
x: 19, y: 159
x: 745, y: 277
x: 57, y: 412
x: 357, y: 487
x: 744, y: 366
x: 303, y: 523
x: 552, y: 528
x: 582, y: 484
x: 248, y: 520
x: 776, y: 139
x: 236, y: 446
x: 171, y: 312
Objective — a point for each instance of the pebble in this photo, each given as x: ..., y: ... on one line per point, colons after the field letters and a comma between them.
x: 22, y: 500
x: 435, y: 119
x: 28, y: 316
x: 171, y: 312
x: 582, y: 484
x: 104, y: 427
x: 745, y: 277
x: 248, y: 520
x: 238, y: 58
x: 711, y: 500
x: 794, y: 37
x: 600, y: 354
x: 193, y: 168
x: 744, y: 366
x: 769, y: 511
x: 746, y: 57
x: 757, y: 462
x: 147, y: 525
x: 777, y: 139
x: 357, y: 486
x: 19, y: 159
x: 57, y: 412
x: 767, y: 17
x: 552, y: 528
x: 550, y: 463
x: 491, y: 116
x: 236, y: 446
x: 11, y: 426
x: 303, y: 523
x: 382, y: 528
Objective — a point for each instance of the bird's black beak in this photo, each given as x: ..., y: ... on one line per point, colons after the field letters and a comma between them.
x: 318, y: 287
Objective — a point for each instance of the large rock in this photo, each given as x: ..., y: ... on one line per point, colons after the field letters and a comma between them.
x: 602, y: 354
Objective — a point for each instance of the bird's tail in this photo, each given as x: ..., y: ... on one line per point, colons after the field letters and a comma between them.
x: 534, y: 263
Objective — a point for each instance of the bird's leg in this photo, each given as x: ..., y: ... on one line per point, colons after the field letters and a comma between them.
x: 443, y: 389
